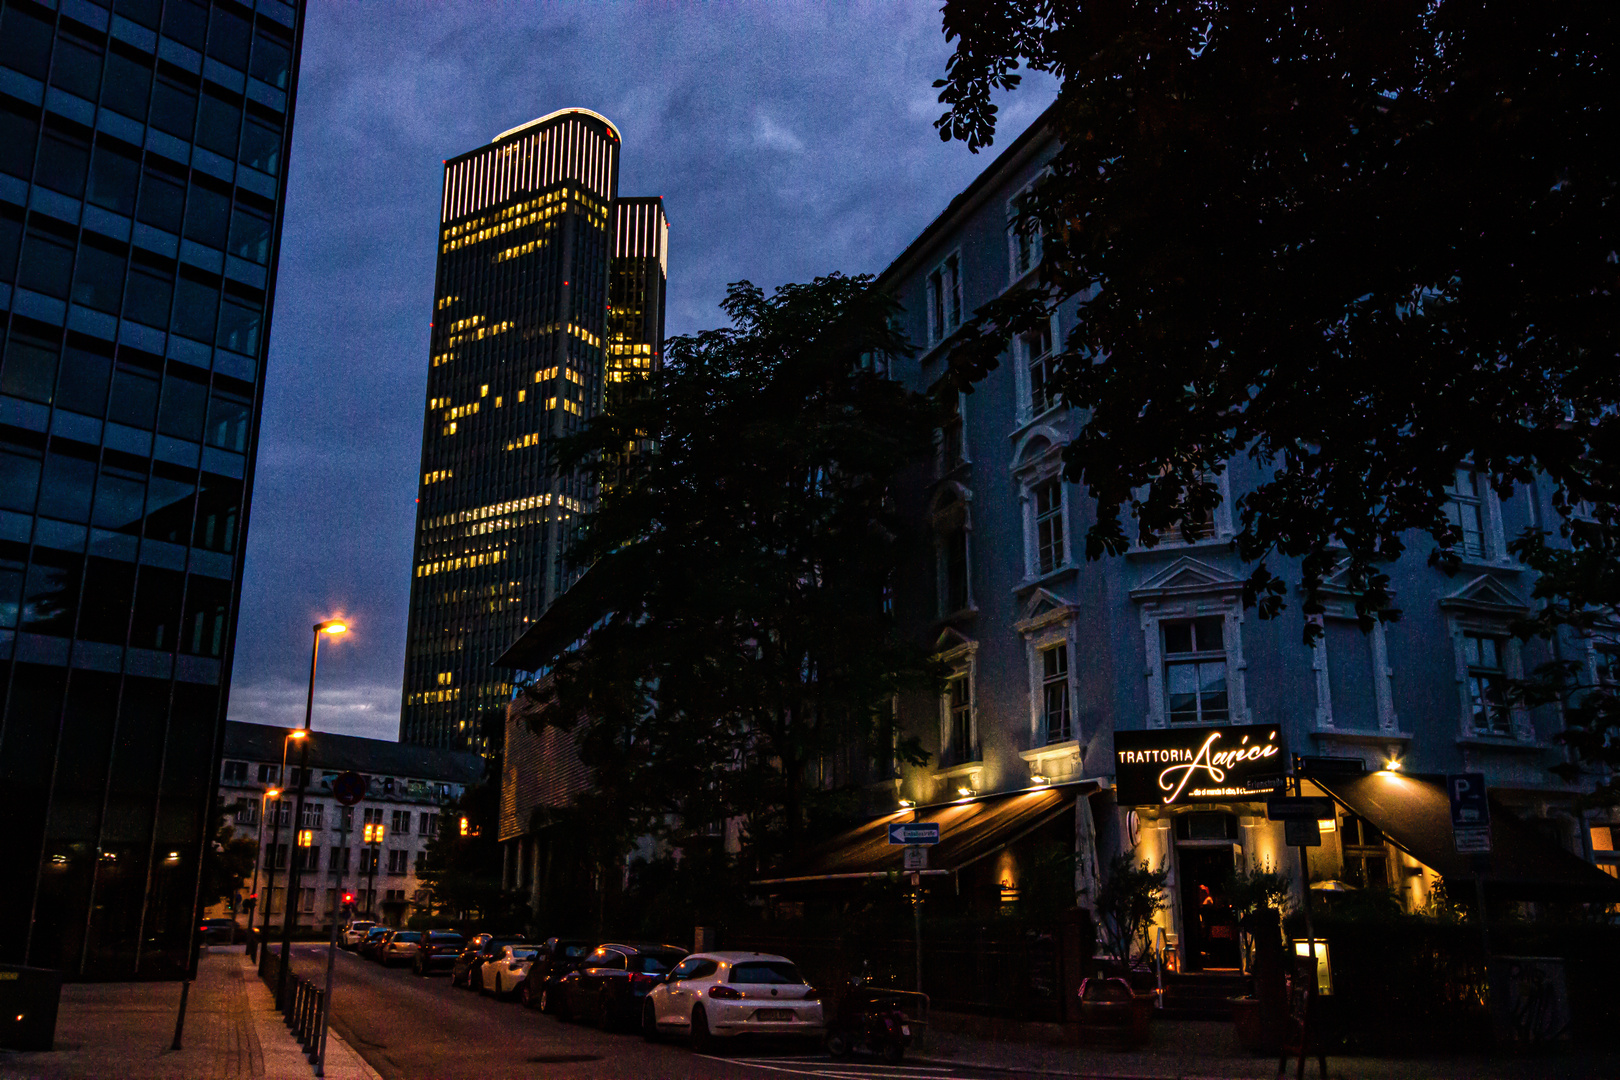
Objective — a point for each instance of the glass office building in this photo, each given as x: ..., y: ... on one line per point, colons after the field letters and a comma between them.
x: 526, y: 324
x: 143, y: 157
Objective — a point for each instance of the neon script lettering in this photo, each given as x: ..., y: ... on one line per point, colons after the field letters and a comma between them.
x: 1212, y: 763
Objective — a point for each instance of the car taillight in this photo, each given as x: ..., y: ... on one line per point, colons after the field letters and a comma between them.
x: 724, y: 993
x: 812, y: 994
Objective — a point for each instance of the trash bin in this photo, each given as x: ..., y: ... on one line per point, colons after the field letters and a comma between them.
x: 29, y: 998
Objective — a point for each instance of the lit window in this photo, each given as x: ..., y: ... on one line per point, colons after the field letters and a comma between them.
x: 1195, y: 670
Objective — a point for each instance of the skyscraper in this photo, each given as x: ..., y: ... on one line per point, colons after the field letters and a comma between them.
x: 535, y: 250
x: 143, y: 158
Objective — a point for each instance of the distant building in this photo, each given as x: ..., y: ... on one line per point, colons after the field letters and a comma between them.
x: 549, y: 287
x: 407, y: 789
x: 143, y: 160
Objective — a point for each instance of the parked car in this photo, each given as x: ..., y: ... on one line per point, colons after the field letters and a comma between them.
x: 219, y: 931
x: 503, y: 973
x: 354, y: 932
x: 400, y: 948
x: 609, y: 984
x: 727, y: 994
x: 438, y: 952
x: 483, y: 947
x: 374, y: 940
x: 556, y: 958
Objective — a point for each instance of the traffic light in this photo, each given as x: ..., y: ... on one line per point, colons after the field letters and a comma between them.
x: 464, y: 826
x: 348, y: 899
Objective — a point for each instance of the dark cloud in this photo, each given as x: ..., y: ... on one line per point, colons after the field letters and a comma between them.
x: 788, y: 140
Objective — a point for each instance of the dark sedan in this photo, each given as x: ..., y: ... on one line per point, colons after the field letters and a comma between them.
x: 375, y: 939
x: 609, y: 984
x: 439, y: 952
x: 557, y: 957
x: 219, y: 931
x: 467, y: 967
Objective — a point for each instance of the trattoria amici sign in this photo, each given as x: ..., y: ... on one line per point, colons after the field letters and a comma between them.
x: 1166, y: 767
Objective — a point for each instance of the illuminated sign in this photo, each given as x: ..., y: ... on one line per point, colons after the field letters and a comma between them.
x: 1205, y: 764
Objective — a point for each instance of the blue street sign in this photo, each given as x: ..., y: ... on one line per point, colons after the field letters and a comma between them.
x: 1469, y: 805
x: 914, y: 832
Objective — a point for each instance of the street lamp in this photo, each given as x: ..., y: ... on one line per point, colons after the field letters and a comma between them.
x: 296, y: 735
x: 331, y: 627
x: 258, y: 857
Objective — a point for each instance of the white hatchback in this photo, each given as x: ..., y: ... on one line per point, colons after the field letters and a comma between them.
x: 726, y: 994
x: 502, y: 975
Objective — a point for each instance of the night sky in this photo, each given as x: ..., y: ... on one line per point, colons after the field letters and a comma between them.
x: 788, y: 140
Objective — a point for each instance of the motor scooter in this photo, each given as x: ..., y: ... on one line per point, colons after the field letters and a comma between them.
x: 871, y: 1020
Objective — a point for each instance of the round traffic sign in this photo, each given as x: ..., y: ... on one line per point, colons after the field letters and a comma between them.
x: 349, y: 788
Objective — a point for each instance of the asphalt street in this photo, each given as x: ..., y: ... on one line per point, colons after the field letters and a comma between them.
x: 412, y: 1028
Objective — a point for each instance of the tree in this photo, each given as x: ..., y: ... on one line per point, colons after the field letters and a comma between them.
x: 1359, y: 245
x: 743, y: 557
x: 1131, y: 894
x: 227, y: 862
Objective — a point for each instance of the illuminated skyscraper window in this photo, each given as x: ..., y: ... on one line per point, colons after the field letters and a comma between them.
x: 549, y: 288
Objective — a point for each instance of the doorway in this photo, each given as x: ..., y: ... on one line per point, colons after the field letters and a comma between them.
x: 1209, y: 925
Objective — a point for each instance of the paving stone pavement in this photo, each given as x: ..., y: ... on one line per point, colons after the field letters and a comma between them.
x: 232, y: 1031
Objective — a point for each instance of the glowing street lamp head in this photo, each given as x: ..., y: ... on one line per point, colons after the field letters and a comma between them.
x: 272, y: 793
x: 332, y: 626
x: 297, y: 733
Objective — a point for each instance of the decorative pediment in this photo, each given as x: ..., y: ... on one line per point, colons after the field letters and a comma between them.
x: 952, y: 642
x: 1186, y: 576
x: 1485, y: 593
x: 1039, y: 446
x: 1042, y: 608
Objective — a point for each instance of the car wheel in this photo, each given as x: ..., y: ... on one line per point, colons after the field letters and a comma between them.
x: 893, y: 1052
x: 526, y: 994
x: 649, y: 1022
x: 604, y: 1013
x: 838, y: 1044
x: 544, y: 1001
x: 421, y: 972
x: 483, y: 989
x: 702, y: 1042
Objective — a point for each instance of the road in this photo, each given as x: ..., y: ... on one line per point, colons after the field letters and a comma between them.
x: 411, y: 1028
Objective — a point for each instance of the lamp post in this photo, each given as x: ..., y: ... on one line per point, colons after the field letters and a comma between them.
x: 258, y: 856
x: 275, y: 840
x: 327, y: 626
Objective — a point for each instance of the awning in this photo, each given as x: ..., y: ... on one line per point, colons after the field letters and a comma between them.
x: 1414, y: 812
x: 968, y: 831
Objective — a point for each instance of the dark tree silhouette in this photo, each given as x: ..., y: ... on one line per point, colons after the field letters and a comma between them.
x: 1358, y: 244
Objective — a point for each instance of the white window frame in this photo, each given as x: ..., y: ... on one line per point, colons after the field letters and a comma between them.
x: 945, y: 312
x: 1493, y: 545
x: 1379, y: 672
x: 1154, y: 614
x: 1049, y: 623
x: 1222, y: 515
x: 948, y: 518
x: 1024, y: 361
x: 944, y: 465
x: 1039, y: 460
x: 1015, y: 239
x: 1520, y: 727
x: 963, y: 661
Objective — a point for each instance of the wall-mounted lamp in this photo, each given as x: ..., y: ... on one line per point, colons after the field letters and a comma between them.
x: 1038, y: 778
x: 907, y: 804
x: 965, y: 791
x: 1393, y: 765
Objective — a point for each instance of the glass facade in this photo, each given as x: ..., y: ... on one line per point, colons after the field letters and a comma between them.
x: 532, y: 310
x: 143, y: 148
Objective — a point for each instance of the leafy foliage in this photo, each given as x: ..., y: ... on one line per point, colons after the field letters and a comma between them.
x: 743, y: 552
x: 1131, y: 894
x: 226, y: 864
x: 1356, y: 244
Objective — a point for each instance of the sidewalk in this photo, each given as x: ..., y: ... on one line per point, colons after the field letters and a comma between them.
x: 232, y: 1030
x: 1195, y: 1049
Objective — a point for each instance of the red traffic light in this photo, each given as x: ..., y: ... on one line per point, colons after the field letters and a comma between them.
x: 348, y: 898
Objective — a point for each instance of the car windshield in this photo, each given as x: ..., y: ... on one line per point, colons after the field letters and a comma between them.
x: 771, y: 972
x: 574, y: 952
x: 522, y: 954
x: 408, y: 935
x: 654, y: 963
x: 500, y: 943
x: 376, y: 933
x: 445, y: 939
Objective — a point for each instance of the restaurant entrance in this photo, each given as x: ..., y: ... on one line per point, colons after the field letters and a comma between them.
x: 1206, y: 856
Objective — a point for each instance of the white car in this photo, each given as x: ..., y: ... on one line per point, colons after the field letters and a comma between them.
x: 502, y: 975
x: 726, y: 994
x: 402, y: 948
x: 353, y: 933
